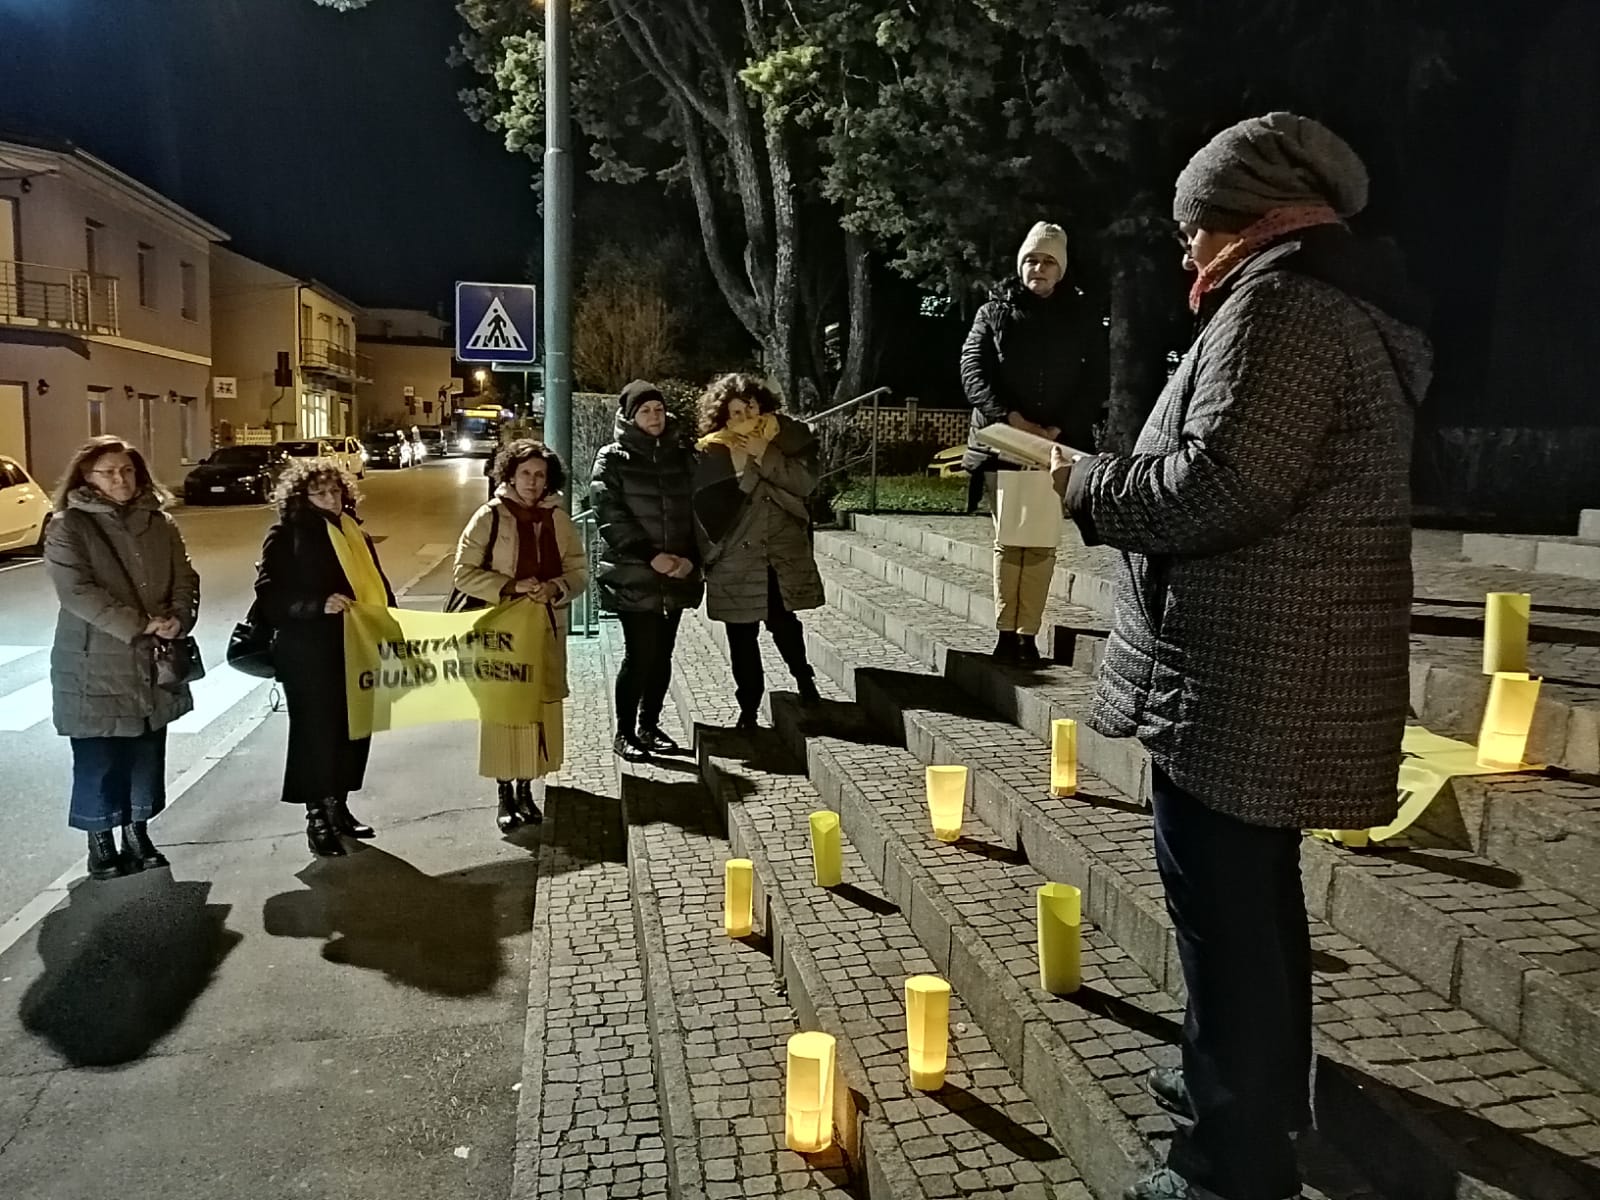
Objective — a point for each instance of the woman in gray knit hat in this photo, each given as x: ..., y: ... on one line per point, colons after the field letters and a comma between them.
x: 1259, y: 643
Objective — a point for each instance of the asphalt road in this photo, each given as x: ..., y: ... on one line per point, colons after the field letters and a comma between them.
x: 414, y: 516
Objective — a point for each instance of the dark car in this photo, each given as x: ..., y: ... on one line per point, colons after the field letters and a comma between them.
x: 434, y: 441
x: 234, y: 473
x: 388, y: 448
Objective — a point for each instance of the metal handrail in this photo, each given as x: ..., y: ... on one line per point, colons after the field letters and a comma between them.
x: 875, y: 396
x: 589, y: 524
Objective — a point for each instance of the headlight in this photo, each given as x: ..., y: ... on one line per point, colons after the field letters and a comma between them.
x: 464, y: 444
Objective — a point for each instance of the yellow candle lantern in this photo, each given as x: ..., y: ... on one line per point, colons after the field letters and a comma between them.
x: 826, y: 858
x: 1060, y: 921
x: 947, y: 798
x: 1063, y: 758
x: 927, y: 1030
x: 808, y: 1120
x: 1503, y: 740
x: 1505, y: 632
x: 738, y: 888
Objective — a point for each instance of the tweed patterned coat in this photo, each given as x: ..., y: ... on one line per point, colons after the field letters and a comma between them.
x: 1260, y: 641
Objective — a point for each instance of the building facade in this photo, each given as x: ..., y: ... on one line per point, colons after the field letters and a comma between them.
x: 413, y: 371
x: 284, y: 354
x: 105, y: 321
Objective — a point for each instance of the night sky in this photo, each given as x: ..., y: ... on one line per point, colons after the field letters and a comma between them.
x: 326, y: 144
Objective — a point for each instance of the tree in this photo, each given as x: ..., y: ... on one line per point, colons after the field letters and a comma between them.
x: 622, y: 326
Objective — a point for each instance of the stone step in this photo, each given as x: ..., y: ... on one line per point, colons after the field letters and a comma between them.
x: 1589, y: 524
x: 1577, y: 557
x: 1546, y: 826
x: 844, y: 954
x: 1448, y: 688
x: 1081, y: 1060
x: 1517, y: 953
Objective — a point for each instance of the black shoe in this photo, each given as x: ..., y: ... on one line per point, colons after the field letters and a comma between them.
x: 1167, y: 1184
x: 748, y: 722
x: 806, y: 685
x: 630, y: 748
x: 1166, y: 1087
x: 344, y: 821
x: 526, y: 808
x: 508, y: 818
x: 139, y: 851
x: 321, y: 836
x: 105, y: 860
x: 1027, y: 650
x: 1006, y: 648
x: 656, y: 742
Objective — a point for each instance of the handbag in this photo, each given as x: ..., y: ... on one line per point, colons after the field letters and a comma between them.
x: 459, y: 601
x: 1027, y: 510
x: 250, y: 645
x: 176, y: 662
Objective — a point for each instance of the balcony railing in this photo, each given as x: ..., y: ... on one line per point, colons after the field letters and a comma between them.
x: 35, y: 296
x: 322, y: 354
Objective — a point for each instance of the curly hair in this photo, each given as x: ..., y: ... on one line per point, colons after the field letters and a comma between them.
x: 91, y: 452
x: 725, y: 389
x: 290, y: 492
x: 524, y: 450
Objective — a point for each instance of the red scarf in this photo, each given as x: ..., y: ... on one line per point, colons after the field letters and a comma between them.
x: 1278, y: 223
x: 538, y: 552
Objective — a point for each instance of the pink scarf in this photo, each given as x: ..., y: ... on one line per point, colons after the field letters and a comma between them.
x: 1280, y: 222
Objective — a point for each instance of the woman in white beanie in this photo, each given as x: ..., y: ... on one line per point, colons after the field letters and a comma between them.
x: 1029, y: 361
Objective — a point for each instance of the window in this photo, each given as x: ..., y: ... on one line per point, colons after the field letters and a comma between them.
x: 97, y: 411
x: 191, y: 292
x: 186, y: 428
x: 147, y: 275
x: 344, y: 336
x: 91, y: 246
x: 147, y: 431
x: 305, y: 322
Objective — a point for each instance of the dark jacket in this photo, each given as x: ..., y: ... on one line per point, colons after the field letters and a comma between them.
x: 102, y: 665
x: 1260, y: 644
x: 757, y: 521
x: 299, y: 570
x: 1044, y: 359
x: 642, y: 496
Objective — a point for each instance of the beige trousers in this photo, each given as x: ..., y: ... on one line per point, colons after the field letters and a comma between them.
x: 1022, y: 575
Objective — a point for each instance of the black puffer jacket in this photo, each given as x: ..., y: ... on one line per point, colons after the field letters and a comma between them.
x: 642, y: 497
x: 1044, y: 359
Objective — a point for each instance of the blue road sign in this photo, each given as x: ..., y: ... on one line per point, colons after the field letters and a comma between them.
x: 497, y: 323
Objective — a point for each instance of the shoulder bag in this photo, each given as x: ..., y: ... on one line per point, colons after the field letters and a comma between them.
x: 176, y: 661
x: 459, y: 601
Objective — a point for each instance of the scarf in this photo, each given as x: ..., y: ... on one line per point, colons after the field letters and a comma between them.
x: 356, y: 561
x: 1278, y: 223
x: 764, y: 427
x: 538, y: 551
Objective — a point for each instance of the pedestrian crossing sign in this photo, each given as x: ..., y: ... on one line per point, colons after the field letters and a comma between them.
x: 496, y: 323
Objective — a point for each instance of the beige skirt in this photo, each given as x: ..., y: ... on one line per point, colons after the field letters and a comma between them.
x: 514, y: 752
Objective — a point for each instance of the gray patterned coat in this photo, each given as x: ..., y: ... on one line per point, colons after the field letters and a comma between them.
x: 1260, y: 641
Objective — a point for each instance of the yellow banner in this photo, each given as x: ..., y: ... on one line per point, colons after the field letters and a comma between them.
x: 405, y: 667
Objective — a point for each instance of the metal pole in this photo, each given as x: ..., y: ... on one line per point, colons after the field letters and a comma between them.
x: 558, y: 231
x: 872, y: 498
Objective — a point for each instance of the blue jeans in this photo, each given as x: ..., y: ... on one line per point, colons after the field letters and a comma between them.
x: 118, y: 780
x: 1239, y: 913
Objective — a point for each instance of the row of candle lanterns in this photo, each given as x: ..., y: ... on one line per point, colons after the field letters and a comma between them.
x: 1513, y: 694
x: 810, y: 1067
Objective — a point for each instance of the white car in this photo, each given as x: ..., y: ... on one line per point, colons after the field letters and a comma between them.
x: 345, y: 451
x: 24, y: 509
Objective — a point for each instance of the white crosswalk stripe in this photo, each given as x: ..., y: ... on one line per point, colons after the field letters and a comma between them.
x: 10, y: 654
x: 25, y: 707
x: 220, y: 690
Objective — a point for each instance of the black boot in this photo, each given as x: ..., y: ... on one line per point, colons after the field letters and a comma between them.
x: 139, y: 851
x: 656, y: 742
x: 507, y: 818
x: 749, y: 721
x: 105, y: 860
x: 526, y: 808
x: 345, y: 821
x: 1027, y: 650
x: 1006, y: 648
x: 629, y: 748
x: 806, y: 684
x: 321, y: 836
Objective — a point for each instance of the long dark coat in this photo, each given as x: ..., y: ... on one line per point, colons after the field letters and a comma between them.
x: 642, y: 495
x: 299, y: 571
x: 1259, y: 647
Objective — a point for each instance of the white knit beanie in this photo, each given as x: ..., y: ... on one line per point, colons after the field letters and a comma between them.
x: 1045, y: 238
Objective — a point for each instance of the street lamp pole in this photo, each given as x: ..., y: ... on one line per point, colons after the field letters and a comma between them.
x: 558, y: 230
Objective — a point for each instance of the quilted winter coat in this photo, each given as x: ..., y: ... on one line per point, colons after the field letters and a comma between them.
x: 1259, y: 647
x: 642, y: 496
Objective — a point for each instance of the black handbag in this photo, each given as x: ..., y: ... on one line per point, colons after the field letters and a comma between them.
x: 459, y: 601
x: 176, y: 662
x: 250, y: 645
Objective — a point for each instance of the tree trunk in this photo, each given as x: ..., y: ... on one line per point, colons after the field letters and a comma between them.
x: 785, y: 249
x: 1140, y: 320
x: 858, y: 331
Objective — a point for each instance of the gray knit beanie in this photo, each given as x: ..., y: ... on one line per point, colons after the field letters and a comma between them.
x: 1276, y: 161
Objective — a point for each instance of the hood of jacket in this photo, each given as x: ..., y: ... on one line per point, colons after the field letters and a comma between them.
x: 87, y: 499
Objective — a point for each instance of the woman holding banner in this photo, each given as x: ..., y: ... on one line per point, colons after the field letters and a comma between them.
x: 316, y: 562
x: 522, y: 545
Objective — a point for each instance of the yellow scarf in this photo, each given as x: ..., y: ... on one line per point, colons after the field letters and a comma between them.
x: 764, y: 427
x: 355, y: 559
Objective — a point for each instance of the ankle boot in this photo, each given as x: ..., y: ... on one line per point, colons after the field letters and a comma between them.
x: 345, y: 821
x: 139, y: 851
x: 105, y: 862
x: 321, y: 836
x: 805, y: 682
x: 527, y: 806
x: 508, y: 818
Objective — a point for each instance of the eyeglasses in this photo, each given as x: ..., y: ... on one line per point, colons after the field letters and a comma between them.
x: 116, y: 472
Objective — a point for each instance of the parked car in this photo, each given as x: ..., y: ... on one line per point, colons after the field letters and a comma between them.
x: 387, y: 448
x: 435, y: 442
x: 24, y: 509
x: 234, y: 473
x: 344, y: 451
x: 947, y: 463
